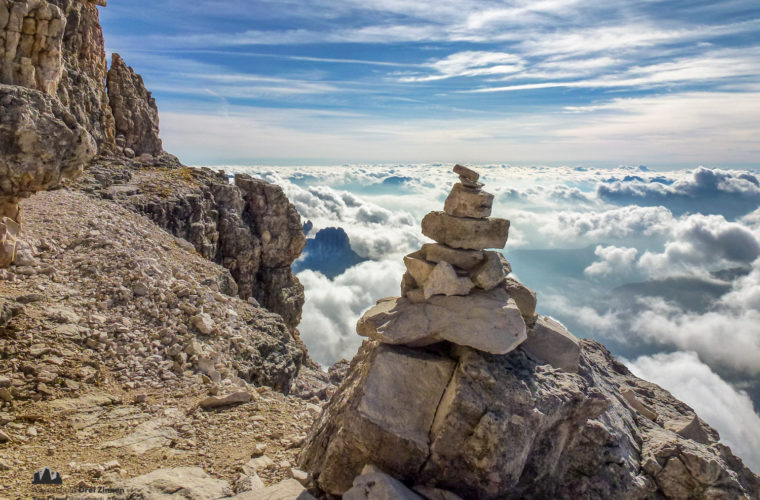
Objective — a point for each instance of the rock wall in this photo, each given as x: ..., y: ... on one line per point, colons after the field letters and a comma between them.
x: 57, y: 47
x: 134, y: 110
x: 83, y: 84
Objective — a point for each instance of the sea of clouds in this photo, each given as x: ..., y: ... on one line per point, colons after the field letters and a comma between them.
x: 663, y: 267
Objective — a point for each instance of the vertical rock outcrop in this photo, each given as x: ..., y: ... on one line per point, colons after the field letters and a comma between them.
x: 134, y: 110
x: 57, y: 47
x: 456, y: 396
x: 55, y: 112
x: 82, y: 87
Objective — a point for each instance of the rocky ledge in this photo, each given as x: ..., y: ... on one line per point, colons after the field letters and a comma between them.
x: 249, y: 227
x: 464, y: 392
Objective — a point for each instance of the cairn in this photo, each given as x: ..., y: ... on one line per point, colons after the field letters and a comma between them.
x: 458, y: 289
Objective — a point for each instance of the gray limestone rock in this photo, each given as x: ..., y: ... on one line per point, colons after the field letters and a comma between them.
x: 467, y: 173
x: 134, y: 109
x: 40, y: 143
x: 443, y: 280
x: 466, y: 233
x: 376, y: 485
x: 508, y: 428
x: 468, y: 202
x: 463, y: 259
x: 288, y: 489
x: 487, y: 321
x: 384, y: 415
x: 524, y: 297
x: 179, y: 482
x: 418, y: 268
x: 491, y: 272
x: 549, y: 341
x: 235, y: 398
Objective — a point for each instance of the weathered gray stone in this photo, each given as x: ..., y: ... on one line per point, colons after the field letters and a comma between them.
x: 418, y: 268
x: 235, y: 398
x: 391, y: 395
x: 467, y: 173
x: 443, y: 280
x: 463, y: 259
x: 288, y: 489
x: 377, y: 485
x: 40, y: 143
x: 524, y: 297
x: 632, y: 398
x: 458, y: 232
x: 416, y: 295
x: 549, y: 341
x: 407, y: 283
x: 491, y: 272
x: 430, y: 493
x: 690, y: 428
x: 560, y: 435
x: 180, y: 482
x: 487, y: 321
x: 134, y: 110
x: 468, y: 202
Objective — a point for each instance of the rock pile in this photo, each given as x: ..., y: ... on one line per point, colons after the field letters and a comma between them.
x: 458, y: 291
x: 464, y: 391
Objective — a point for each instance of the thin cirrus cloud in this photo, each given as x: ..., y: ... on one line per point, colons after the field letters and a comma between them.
x: 502, y: 73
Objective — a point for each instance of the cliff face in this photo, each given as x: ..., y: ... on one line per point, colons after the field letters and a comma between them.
x: 248, y: 227
x: 57, y: 47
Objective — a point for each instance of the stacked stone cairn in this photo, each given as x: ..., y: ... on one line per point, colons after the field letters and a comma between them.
x: 458, y: 289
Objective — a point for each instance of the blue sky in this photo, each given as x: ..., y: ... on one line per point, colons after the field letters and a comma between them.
x: 662, y: 83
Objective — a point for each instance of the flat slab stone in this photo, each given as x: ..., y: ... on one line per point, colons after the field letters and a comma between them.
x: 463, y: 259
x: 550, y: 341
x: 460, y: 232
x: 467, y: 173
x: 487, y: 321
x: 179, y: 482
x: 376, y: 485
x: 288, y: 489
x: 468, y: 202
x: 235, y: 398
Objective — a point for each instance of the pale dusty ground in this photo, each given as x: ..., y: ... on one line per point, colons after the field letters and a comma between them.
x: 76, y: 359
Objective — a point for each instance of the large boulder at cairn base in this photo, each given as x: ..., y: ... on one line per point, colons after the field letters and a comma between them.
x: 508, y: 427
x: 383, y: 415
x: 488, y: 321
x: 40, y: 143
